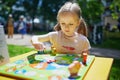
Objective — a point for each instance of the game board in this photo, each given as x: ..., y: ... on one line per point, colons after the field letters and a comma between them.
x: 44, y: 67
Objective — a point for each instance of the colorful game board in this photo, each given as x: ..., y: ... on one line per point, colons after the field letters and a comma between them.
x: 45, y: 67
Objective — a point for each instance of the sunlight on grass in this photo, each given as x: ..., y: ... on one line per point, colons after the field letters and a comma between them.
x: 110, y: 41
x: 18, y: 50
x: 115, y: 70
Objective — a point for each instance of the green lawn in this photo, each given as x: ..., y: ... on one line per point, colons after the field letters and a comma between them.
x: 18, y: 50
x: 15, y: 50
x: 115, y: 71
x: 111, y: 41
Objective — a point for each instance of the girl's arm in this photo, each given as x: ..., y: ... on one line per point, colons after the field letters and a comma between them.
x: 87, y: 51
x: 40, y: 38
x: 86, y: 46
x: 37, y: 41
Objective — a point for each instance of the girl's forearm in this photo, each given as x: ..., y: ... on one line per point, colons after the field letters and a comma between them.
x: 40, y: 38
x: 35, y: 39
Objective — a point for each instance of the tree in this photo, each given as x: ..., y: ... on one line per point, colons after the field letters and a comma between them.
x: 31, y: 7
x: 91, y: 10
x: 49, y: 8
x: 115, y: 8
x: 5, y: 7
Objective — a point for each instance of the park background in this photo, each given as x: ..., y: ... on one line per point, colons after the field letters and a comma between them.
x: 41, y: 14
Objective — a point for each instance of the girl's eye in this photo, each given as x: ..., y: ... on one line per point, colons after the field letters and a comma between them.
x: 70, y: 24
x: 63, y: 23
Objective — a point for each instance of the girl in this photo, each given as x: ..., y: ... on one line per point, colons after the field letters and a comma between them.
x: 71, y: 32
x: 70, y: 35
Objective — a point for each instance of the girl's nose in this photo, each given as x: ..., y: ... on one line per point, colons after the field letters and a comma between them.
x: 67, y: 26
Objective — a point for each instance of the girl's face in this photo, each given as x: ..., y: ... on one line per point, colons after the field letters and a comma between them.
x: 68, y: 22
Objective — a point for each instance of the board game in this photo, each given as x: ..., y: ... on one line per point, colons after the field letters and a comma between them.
x: 45, y: 67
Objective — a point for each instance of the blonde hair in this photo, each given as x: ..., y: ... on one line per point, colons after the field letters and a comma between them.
x: 74, y: 8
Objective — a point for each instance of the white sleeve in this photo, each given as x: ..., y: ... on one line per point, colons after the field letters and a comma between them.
x: 86, y: 45
x: 43, y: 38
x: 40, y: 38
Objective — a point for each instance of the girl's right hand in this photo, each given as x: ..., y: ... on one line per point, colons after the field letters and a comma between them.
x: 39, y: 46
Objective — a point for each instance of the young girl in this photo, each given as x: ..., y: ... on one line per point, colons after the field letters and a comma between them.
x: 71, y: 32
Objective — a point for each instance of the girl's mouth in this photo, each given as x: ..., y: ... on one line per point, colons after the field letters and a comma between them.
x: 67, y: 31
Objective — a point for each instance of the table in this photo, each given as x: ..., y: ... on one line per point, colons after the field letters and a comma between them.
x: 99, y: 69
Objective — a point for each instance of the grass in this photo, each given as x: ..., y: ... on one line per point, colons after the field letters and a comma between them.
x: 18, y: 50
x: 111, y: 41
x: 115, y: 70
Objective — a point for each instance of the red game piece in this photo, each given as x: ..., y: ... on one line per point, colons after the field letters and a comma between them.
x: 84, y: 58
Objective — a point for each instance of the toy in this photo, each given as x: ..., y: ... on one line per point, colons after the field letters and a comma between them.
x: 84, y: 58
x: 52, y: 51
x: 32, y: 59
x: 74, y: 69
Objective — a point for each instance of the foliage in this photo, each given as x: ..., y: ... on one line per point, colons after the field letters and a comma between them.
x: 91, y: 10
x: 6, y: 7
x: 115, y: 8
x: 31, y: 7
x: 50, y: 8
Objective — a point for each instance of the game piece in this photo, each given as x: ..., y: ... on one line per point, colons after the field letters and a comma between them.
x: 84, y: 58
x: 74, y: 69
x: 53, y: 51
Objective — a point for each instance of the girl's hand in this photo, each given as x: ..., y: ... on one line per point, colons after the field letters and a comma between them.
x: 85, y: 52
x: 38, y: 46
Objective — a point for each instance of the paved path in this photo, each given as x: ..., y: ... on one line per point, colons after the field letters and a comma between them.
x: 16, y: 40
